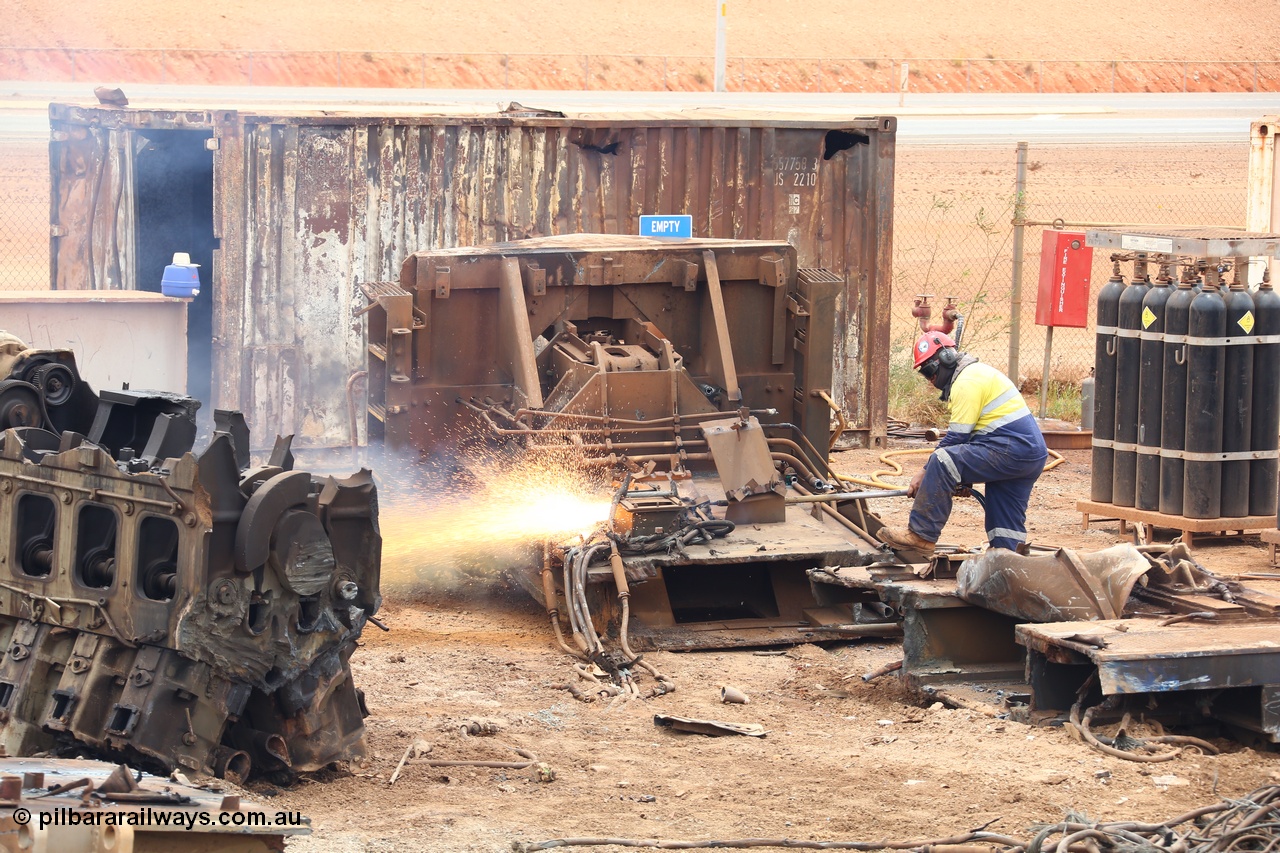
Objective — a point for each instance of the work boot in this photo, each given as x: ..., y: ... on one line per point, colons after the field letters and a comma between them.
x: 905, y: 540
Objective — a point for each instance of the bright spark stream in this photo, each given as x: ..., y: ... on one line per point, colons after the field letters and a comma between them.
x: 440, y: 536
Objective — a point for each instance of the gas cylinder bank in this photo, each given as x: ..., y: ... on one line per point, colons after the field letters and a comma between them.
x: 170, y: 608
x: 1187, y: 365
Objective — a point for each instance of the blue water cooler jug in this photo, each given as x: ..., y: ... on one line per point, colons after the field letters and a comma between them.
x: 181, y: 278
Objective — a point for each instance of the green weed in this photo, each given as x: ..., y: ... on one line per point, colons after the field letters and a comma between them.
x: 1062, y: 402
x: 911, y: 398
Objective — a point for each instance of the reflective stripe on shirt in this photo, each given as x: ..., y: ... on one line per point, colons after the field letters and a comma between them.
x: 983, y: 399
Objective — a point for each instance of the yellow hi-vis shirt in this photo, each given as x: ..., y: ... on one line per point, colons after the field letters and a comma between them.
x: 982, y: 401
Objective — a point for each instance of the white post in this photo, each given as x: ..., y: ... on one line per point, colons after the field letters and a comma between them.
x: 1263, y: 199
x: 722, y: 14
x: 903, y: 80
x: 1015, y: 291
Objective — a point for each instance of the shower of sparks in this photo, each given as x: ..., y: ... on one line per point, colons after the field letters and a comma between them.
x: 498, y: 523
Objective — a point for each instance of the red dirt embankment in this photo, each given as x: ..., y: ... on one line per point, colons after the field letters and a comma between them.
x: 367, y: 69
x: 787, y: 45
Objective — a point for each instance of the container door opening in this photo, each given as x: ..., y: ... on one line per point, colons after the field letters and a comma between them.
x: 173, y: 187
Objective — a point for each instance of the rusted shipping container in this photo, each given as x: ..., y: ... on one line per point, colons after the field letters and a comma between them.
x: 290, y: 211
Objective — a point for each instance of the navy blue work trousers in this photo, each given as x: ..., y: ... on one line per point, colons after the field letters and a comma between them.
x: 1008, y: 462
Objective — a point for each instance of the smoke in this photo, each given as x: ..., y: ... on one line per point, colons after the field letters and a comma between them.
x: 450, y: 522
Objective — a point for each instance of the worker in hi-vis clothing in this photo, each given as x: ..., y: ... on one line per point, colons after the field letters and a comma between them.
x: 992, y: 439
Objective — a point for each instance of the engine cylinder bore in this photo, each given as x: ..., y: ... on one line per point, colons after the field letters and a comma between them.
x: 159, y: 580
x: 1104, y: 371
x: 1237, y: 396
x: 1173, y: 398
x: 1206, y: 361
x: 1150, y: 389
x: 1128, y: 367
x: 96, y: 532
x: 37, y: 557
x: 1266, y: 401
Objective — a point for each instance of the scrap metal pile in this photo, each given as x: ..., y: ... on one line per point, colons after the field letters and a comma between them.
x: 171, y: 609
x: 1243, y: 825
x: 698, y: 372
x: 1135, y: 636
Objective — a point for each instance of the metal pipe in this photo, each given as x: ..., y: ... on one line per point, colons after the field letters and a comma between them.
x: 893, y: 666
x: 550, y: 600
x: 496, y: 765
x: 804, y: 439
x: 840, y: 519
x: 673, y: 447
x: 1015, y: 294
x: 799, y: 451
x: 800, y: 467
x: 351, y: 409
x: 616, y: 459
x: 841, y: 423
x: 847, y: 496
x: 816, y: 459
x: 615, y: 421
x: 1069, y: 223
x: 877, y: 629
x: 624, y: 595
x: 1044, y: 374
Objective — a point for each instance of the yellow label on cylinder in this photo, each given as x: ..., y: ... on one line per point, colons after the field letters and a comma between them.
x: 1148, y: 317
x: 1246, y: 322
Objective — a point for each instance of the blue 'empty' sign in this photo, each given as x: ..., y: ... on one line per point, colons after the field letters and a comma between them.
x: 666, y: 226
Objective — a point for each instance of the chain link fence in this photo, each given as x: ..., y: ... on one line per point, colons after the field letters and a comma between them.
x: 953, y: 228
x: 24, y: 216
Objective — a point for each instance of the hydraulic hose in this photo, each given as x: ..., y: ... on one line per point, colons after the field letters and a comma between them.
x: 665, y: 685
x: 571, y: 603
x: 549, y: 598
x: 584, y: 557
x: 624, y: 596
x: 895, y: 470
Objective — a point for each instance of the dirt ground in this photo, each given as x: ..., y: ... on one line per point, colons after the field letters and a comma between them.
x: 842, y: 760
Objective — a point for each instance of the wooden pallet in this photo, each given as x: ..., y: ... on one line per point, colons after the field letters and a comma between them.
x: 1189, y: 527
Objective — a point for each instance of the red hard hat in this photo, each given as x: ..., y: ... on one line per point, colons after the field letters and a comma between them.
x: 928, y: 344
